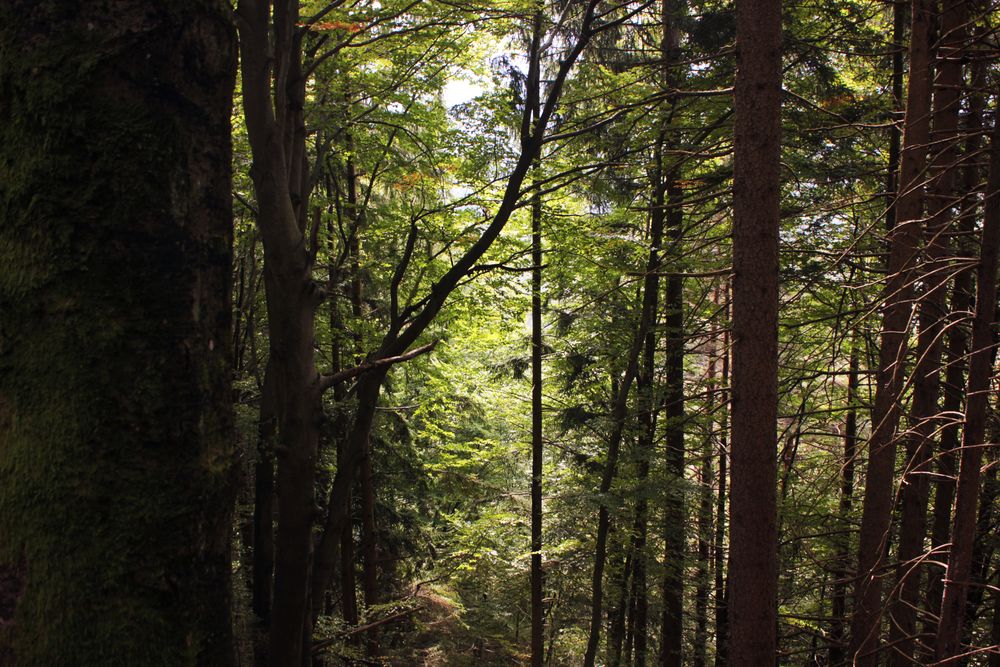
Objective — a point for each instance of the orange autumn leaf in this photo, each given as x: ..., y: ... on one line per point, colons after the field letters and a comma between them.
x: 337, y: 25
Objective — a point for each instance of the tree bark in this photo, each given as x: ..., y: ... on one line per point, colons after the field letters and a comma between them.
x: 621, y: 615
x: 341, y: 425
x: 537, y: 445
x: 756, y: 196
x: 348, y: 583
x: 118, y: 461
x: 638, y: 597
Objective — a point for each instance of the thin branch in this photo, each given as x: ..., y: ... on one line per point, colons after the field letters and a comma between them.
x: 327, y: 381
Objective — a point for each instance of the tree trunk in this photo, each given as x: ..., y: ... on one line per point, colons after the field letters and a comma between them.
x: 369, y: 539
x: 756, y: 195
x: 117, y: 462
x: 955, y: 357
x: 619, y: 413
x: 841, y: 573
x: 669, y: 199
x: 932, y: 314
x: 895, y: 135
x: 984, y: 544
x: 649, y: 411
x: 339, y: 501
x: 369, y: 542
x: 537, y: 581
x: 617, y: 631
x: 275, y: 132
x: 897, y: 307
x: 348, y: 583
x: 672, y: 622
x: 980, y: 371
x: 705, y: 516
x: 994, y: 659
x: 721, y: 589
x: 263, y: 507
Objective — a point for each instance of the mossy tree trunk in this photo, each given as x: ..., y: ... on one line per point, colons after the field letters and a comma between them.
x: 116, y: 448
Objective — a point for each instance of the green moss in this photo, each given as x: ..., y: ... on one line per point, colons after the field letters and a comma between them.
x: 115, y: 445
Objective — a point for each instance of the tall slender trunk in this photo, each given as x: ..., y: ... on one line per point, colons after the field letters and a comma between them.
x: 619, y: 632
x: 619, y: 415
x: 994, y: 659
x: 895, y: 135
x: 702, y: 592
x: 955, y: 356
x: 263, y: 508
x: 348, y: 582
x: 985, y: 543
x: 721, y: 589
x: 756, y: 196
x: 365, y: 472
x: 273, y: 99
x: 670, y: 198
x: 339, y: 501
x: 639, y: 599
x: 977, y: 389
x: 537, y: 581
x: 672, y: 621
x: 897, y: 307
x: 537, y: 445
x: 842, y: 562
x: 640, y: 603
x: 369, y: 542
x: 932, y: 314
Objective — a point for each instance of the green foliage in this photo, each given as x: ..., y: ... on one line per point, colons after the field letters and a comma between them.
x: 406, y: 184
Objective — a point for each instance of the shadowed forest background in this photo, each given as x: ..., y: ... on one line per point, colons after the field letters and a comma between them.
x: 432, y: 332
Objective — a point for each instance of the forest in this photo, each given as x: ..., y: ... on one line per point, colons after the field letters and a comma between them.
x: 527, y: 332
